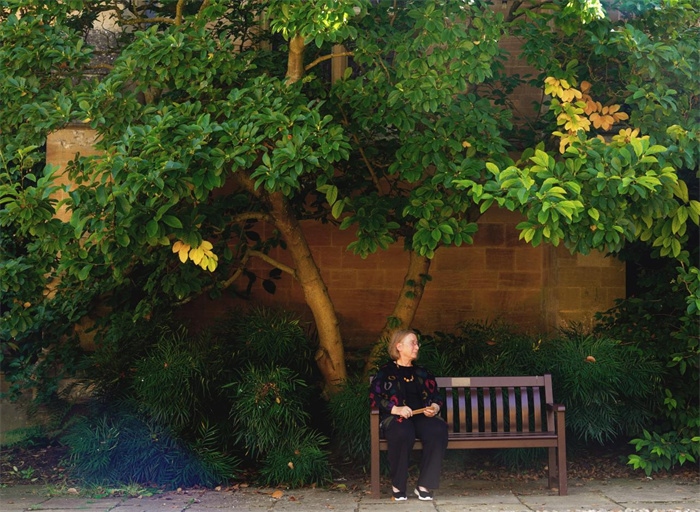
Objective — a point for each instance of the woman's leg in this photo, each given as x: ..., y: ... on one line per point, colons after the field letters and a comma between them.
x: 433, y: 434
x: 400, y: 436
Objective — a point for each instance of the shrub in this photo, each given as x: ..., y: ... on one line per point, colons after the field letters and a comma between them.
x: 121, y: 445
x: 606, y: 385
x: 171, y: 381
x: 298, y: 460
x: 268, y: 406
x: 656, y: 320
x: 265, y: 335
x: 657, y: 452
x: 348, y: 411
x: 482, y: 348
x: 224, y: 391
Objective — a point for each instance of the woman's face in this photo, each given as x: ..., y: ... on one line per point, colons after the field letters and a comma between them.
x: 408, y: 347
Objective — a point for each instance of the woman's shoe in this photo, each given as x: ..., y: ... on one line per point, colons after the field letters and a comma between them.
x: 398, y: 496
x: 424, y: 495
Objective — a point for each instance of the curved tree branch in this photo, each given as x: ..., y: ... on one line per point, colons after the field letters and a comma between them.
x: 327, y: 57
x: 267, y: 259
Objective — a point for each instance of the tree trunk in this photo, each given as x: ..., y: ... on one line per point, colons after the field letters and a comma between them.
x: 330, y: 356
x: 405, y: 308
x: 295, y: 59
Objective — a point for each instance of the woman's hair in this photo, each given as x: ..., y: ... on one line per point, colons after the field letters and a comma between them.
x: 395, y: 338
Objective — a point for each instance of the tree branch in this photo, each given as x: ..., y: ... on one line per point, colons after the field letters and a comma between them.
x: 239, y: 271
x: 327, y: 57
x: 369, y: 165
x: 277, y: 264
x: 178, y: 12
x: 204, y: 5
x: 242, y: 217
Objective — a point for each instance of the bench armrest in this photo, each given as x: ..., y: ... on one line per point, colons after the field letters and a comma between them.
x: 556, y: 407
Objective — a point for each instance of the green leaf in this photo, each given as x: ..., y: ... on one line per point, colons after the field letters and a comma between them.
x: 85, y: 272
x: 337, y: 209
x: 492, y: 168
x: 332, y: 194
x: 172, y: 221
x: 152, y: 228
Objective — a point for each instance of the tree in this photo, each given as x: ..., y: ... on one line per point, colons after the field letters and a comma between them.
x: 205, y: 135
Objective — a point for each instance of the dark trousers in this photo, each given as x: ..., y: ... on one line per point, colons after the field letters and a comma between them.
x: 401, y: 435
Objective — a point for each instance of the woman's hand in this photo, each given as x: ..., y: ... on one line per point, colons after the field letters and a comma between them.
x: 431, y: 411
x: 404, y: 412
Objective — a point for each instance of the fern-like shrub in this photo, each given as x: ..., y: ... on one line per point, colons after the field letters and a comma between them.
x: 121, y: 446
x: 606, y: 385
x: 264, y: 335
x: 348, y: 411
x: 479, y: 349
x: 298, y: 460
x: 198, y: 403
x: 270, y: 417
x: 268, y: 406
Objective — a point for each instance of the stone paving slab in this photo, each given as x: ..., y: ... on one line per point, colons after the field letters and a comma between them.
x: 619, y: 495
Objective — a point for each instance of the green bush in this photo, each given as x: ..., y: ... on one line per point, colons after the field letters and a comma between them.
x: 298, y: 460
x: 211, y: 399
x: 268, y: 405
x: 171, y: 381
x: 656, y: 452
x: 348, y: 411
x: 266, y: 335
x: 607, y: 386
x: 479, y: 349
x: 655, y: 319
x: 120, y: 445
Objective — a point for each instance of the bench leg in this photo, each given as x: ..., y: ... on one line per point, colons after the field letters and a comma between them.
x: 561, y: 463
x: 557, y: 470
x: 374, y: 474
x: 552, y: 469
x: 374, y: 455
x: 561, y: 454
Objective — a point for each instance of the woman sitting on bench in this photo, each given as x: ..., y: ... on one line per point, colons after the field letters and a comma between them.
x: 408, y: 401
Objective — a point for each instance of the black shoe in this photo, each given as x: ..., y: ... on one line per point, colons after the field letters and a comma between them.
x: 398, y: 496
x: 424, y: 495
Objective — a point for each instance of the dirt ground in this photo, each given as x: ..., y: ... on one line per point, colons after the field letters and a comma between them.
x: 48, y: 465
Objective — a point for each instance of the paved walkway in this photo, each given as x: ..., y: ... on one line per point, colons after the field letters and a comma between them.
x: 619, y: 495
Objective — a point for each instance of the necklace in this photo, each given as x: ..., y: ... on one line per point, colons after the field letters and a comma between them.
x: 404, y: 370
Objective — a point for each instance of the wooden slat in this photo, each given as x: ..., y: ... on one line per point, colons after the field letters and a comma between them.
x: 512, y: 412
x: 462, y: 405
x: 475, y: 409
x: 538, y: 409
x: 500, y: 412
x: 525, y: 409
x: 449, y: 403
x: 488, y: 427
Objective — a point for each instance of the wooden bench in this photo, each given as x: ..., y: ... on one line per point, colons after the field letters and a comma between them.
x: 495, y: 412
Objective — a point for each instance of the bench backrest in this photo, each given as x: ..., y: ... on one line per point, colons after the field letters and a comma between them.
x: 497, y: 404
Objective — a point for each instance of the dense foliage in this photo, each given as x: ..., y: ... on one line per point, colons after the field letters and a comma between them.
x: 179, y: 409
x: 411, y: 144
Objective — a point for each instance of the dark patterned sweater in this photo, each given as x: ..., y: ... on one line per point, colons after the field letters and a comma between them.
x: 389, y: 389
